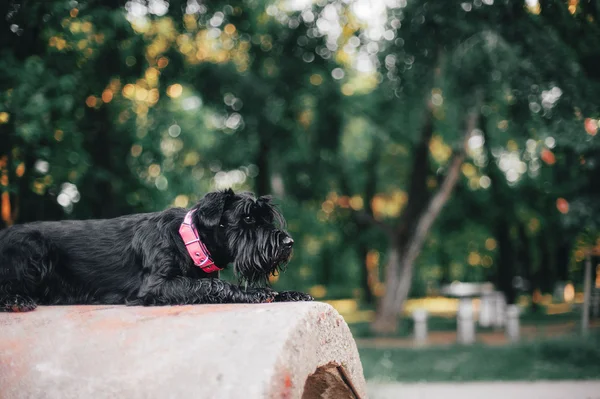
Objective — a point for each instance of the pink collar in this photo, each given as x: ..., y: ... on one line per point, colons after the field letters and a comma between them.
x: 195, y: 247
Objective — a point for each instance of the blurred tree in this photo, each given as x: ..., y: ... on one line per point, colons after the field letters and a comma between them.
x: 465, y: 60
x: 62, y: 65
x: 115, y: 107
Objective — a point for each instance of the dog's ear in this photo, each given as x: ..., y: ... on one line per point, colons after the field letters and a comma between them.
x: 211, y: 207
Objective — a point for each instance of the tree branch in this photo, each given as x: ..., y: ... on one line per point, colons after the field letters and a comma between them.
x: 418, y: 194
x: 433, y: 208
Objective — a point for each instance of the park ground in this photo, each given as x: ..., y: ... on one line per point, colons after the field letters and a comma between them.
x: 552, y: 348
x: 489, y: 390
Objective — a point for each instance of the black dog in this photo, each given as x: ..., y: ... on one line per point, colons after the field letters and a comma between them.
x: 170, y: 257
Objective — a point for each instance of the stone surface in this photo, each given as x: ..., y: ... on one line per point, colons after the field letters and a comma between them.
x: 202, y: 351
x: 499, y: 310
x: 420, y: 323
x: 513, y: 329
x: 486, y: 309
x: 458, y: 289
x: 465, y: 325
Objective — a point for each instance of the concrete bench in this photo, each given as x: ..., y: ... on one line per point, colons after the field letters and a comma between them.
x: 288, y: 350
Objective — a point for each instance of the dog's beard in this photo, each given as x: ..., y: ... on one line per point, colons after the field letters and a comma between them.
x: 259, y: 257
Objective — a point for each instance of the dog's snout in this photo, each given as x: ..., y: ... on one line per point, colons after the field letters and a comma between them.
x: 288, y: 241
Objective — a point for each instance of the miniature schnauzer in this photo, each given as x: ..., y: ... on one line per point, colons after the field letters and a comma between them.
x: 165, y: 258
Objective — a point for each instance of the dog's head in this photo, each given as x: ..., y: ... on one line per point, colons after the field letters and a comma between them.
x: 246, y: 231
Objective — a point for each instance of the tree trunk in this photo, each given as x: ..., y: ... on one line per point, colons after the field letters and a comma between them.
x: 526, y: 261
x: 365, y: 220
x: 587, y: 290
x: 500, y: 216
x: 386, y: 320
x: 546, y: 271
x: 368, y: 296
x: 415, y: 244
x: 398, y: 288
x: 563, y: 257
x: 506, y: 261
x: 445, y: 261
x: 370, y: 189
x: 398, y: 284
x: 327, y: 267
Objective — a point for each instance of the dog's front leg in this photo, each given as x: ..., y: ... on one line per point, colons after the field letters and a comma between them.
x: 182, y: 290
x: 293, y: 296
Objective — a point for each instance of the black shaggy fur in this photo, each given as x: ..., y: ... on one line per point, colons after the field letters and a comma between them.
x: 141, y: 259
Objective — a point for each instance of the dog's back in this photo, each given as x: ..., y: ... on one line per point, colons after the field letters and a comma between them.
x: 165, y: 258
x: 78, y: 261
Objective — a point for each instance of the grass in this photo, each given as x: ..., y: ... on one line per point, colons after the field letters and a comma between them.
x: 571, y: 357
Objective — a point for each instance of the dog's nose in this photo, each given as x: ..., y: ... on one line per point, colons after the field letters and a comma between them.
x: 288, y: 242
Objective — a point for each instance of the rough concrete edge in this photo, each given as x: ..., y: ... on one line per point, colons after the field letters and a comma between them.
x: 311, y: 340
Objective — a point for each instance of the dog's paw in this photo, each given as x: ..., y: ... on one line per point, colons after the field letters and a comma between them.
x: 262, y: 295
x: 17, y: 303
x: 293, y: 296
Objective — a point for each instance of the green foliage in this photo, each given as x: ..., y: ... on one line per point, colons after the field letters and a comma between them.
x: 104, y: 113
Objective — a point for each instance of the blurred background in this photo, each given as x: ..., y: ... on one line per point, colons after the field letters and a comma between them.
x: 411, y: 145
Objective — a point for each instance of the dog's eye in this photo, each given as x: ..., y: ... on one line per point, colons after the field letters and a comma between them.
x: 248, y: 219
